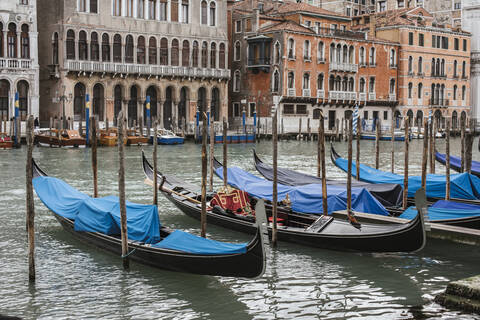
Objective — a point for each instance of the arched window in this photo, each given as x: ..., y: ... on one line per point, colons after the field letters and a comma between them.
x: 291, y: 48
x: 82, y: 46
x: 204, y: 12
x: 129, y: 49
x: 12, y: 40
x: 455, y: 88
x: 105, y: 47
x: 351, y: 85
x: 195, y: 54
x: 215, y: 104
x: 236, y: 81
x: 351, y: 54
x: 433, y: 67
x: 117, y: 102
x: 204, y: 54
x: 117, y: 48
x: 455, y: 66
x: 332, y: 52
x: 237, y: 51
x: 331, y: 83
x: 362, y: 85
x: 410, y: 64
x: 4, y: 97
x: 464, y: 93
x: 221, y: 56
x: 54, y: 48
x: 79, y: 102
x: 372, y: 85
x: 338, y: 53
x: 174, y: 52
x: 277, y: 53
x: 213, y: 17
x: 420, y: 66
x: 164, y: 51
x: 1, y: 39
x: 141, y: 50
x: 186, y: 53
x: 152, y: 50
x: 372, y: 56
x: 22, y: 89
x: 420, y: 89
x: 437, y: 68
x: 291, y: 80
x: 392, y: 58
x: 410, y: 87
x: 344, y: 84
x: 140, y: 9
x: 275, y: 81
x: 320, y: 79
x: 213, y: 55
x: 392, y: 86
x: 94, y: 47
x: 98, y: 101
x: 306, y: 80
x: 25, y: 42
x: 464, y: 69
x: 345, y: 54
x: 306, y: 50
x: 361, y: 56
x: 321, y: 52
x: 442, y: 68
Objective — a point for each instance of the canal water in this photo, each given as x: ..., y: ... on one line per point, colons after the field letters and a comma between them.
x: 76, y: 281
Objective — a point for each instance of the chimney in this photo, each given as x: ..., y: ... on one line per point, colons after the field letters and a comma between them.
x: 372, y: 26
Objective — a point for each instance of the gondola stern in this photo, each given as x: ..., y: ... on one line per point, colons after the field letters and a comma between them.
x: 36, y: 170
x: 421, y: 202
x: 255, y: 157
x: 333, y: 154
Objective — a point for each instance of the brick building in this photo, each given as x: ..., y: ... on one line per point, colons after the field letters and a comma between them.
x: 433, y: 62
x: 121, y: 51
x: 311, y: 59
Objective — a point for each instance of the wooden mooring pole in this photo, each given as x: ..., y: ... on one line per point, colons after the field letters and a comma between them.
x: 377, y: 143
x: 469, y: 146
x: 321, y: 139
x: 392, y: 132
x: 211, y: 155
x: 405, y: 170
x: 203, y: 217
x: 319, y: 147
x: 357, y: 164
x: 275, y: 178
x: 431, y: 152
x: 121, y: 191
x: 29, y: 200
x: 462, y: 141
x: 225, y: 167
x: 447, y: 160
x: 425, y: 154
x: 349, y: 172
x: 94, y: 156
x: 155, y: 162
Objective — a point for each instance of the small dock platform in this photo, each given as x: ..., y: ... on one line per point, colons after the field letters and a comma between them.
x: 462, y: 294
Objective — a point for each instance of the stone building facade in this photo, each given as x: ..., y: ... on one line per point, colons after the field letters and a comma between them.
x: 19, y: 72
x: 433, y: 63
x: 310, y: 58
x: 119, y: 52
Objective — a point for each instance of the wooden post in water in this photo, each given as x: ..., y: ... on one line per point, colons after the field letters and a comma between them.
x: 203, y: 218
x: 283, y: 131
x: 433, y: 147
x: 94, y: 156
x: 299, y: 137
x: 341, y: 128
x: 309, y: 129
x: 430, y: 153
x: 469, y: 146
x: 425, y: 154
x: 121, y: 191
x: 319, y: 147
x: 377, y: 143
x: 212, y: 144
x: 155, y: 162
x: 29, y: 200
x: 225, y: 167
x: 337, y: 127
x: 357, y: 164
x: 80, y: 128
x: 392, y: 132
x: 275, y: 178
x: 321, y: 139
x: 140, y: 122
x: 349, y: 172
x: 447, y: 160
x: 462, y: 141
x: 405, y: 170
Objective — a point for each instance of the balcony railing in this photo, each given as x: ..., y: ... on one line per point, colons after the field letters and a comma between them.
x: 362, y: 96
x: 347, y: 67
x: 154, y: 70
x: 372, y: 96
x: 339, y: 33
x: 306, y: 93
x: 342, y: 95
x: 291, y: 92
x: 12, y: 63
x: 321, y: 94
x: 439, y: 102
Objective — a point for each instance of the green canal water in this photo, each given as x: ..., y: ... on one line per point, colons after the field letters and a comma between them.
x: 76, y: 281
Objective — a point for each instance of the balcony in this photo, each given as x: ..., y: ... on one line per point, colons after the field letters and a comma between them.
x: 15, y: 64
x: 362, y: 96
x: 337, y: 33
x: 151, y: 70
x: 306, y: 93
x: 321, y: 94
x: 291, y: 92
x: 346, y: 67
x: 439, y: 102
x: 342, y: 95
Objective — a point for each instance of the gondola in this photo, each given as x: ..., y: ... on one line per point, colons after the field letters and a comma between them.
x: 456, y: 163
x: 462, y: 210
x: 306, y: 229
x: 390, y: 195
x: 150, y: 243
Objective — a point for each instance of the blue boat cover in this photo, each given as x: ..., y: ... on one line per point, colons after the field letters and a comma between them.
x: 103, y: 215
x: 187, y: 242
x: 457, y: 162
x: 462, y: 185
x: 445, y: 210
x: 306, y: 198
x: 98, y: 214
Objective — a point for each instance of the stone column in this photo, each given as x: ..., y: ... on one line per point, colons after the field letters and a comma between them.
x: 157, y: 9
x: 160, y: 112
x: 19, y: 44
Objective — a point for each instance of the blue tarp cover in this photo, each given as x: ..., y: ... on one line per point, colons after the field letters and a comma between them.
x: 457, y: 162
x: 187, y: 242
x: 103, y: 215
x: 442, y: 210
x: 305, y: 198
x: 462, y: 185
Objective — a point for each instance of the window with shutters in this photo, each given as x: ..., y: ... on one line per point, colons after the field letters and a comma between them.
x: 82, y: 46
x: 93, y: 6
x: 221, y: 56
x: 25, y: 41
x: 163, y: 10
x: 141, y: 50
x: 195, y: 54
x: 94, y: 47
x: 204, y: 12
x: 129, y: 8
x: 213, y: 17
x: 1, y: 39
x: 117, y: 8
x: 185, y: 11
x: 129, y: 49
x: 236, y: 81
x: 105, y: 47
x: 117, y: 48
x: 237, y: 51
x: 213, y: 55
x: 141, y: 9
x: 186, y: 53
x: 54, y: 47
x: 204, y: 54
x: 174, y: 10
x: 12, y: 40
x: 275, y: 81
x: 152, y: 50
x: 164, y: 51
x: 174, y: 52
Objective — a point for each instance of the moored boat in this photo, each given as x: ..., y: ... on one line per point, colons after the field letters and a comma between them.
x: 168, y: 137
x: 134, y: 138
x: 59, y: 138
x: 307, y: 229
x: 109, y: 138
x: 456, y: 163
x: 6, y: 142
x: 398, y: 136
x: 96, y: 221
